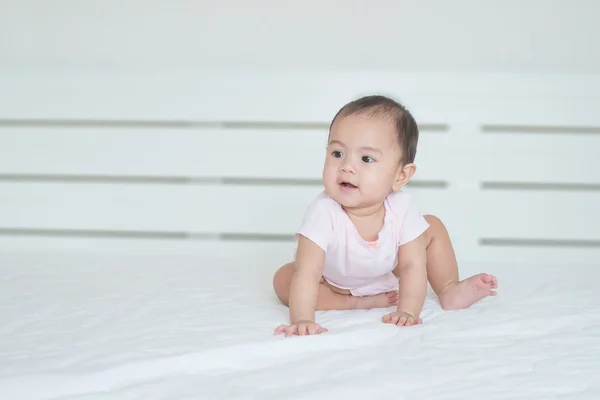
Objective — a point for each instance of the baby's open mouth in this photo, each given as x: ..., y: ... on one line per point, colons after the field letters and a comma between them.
x: 347, y: 185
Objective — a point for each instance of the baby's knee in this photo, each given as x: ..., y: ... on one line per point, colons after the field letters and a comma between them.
x: 279, y: 277
x: 433, y: 221
x: 436, y: 227
x: 282, y: 280
x: 435, y: 224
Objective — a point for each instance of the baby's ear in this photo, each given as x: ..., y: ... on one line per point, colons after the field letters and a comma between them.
x: 404, y: 175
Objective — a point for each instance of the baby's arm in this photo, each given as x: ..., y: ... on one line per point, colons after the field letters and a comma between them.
x: 314, y: 236
x: 308, y: 269
x: 412, y: 268
x: 412, y: 260
x: 412, y: 274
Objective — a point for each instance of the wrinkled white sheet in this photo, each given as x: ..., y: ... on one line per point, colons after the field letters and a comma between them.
x: 82, y: 327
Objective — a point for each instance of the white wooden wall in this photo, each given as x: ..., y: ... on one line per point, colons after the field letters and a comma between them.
x: 217, y: 163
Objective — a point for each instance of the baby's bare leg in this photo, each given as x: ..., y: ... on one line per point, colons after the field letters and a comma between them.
x: 330, y: 298
x: 442, y: 271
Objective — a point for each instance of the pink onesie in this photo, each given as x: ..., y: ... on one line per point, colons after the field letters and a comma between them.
x: 364, y: 268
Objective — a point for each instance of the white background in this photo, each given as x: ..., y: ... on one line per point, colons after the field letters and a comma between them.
x: 537, y: 36
x: 152, y: 85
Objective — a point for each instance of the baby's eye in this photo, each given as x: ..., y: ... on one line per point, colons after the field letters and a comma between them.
x: 367, y: 159
x: 337, y: 154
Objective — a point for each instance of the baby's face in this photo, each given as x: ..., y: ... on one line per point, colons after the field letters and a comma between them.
x: 362, y: 161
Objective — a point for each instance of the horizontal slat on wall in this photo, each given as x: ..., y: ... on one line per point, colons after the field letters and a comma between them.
x: 538, y: 217
x: 260, y: 254
x: 273, y: 253
x: 209, y: 95
x: 297, y: 96
x: 195, y: 152
x: 530, y: 256
x: 166, y: 210
x: 564, y: 155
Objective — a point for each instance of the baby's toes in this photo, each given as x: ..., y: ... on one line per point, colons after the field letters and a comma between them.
x: 494, y: 283
x: 487, y: 279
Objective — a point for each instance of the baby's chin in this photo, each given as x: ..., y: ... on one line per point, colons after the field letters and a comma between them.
x: 346, y: 201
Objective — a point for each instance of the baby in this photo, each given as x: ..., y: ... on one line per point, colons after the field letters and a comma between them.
x: 363, y: 243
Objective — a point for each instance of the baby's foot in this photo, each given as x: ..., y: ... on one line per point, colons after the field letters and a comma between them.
x: 463, y: 294
x: 382, y: 300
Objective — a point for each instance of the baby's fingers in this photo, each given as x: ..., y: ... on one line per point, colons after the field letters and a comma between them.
x: 290, y: 330
x: 303, y: 329
x: 310, y: 329
x: 316, y: 329
x: 390, y: 319
x: 280, y: 329
x: 300, y: 329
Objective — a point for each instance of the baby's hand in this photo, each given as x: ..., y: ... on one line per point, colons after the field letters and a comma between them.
x: 401, y: 318
x: 300, y: 328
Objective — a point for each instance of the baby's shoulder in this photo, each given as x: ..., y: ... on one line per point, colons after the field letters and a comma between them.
x: 323, y: 206
x: 405, y: 216
x: 319, y: 221
x: 400, y: 202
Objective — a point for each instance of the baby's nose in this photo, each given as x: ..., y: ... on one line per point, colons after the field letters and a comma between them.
x: 348, y: 168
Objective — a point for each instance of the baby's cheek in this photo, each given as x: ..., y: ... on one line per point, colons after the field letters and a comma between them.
x: 375, y: 180
x: 329, y: 177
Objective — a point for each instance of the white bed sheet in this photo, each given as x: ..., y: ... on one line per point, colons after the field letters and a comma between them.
x: 83, y: 327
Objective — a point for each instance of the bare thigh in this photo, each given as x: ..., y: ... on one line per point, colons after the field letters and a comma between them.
x: 282, y: 280
x: 442, y: 268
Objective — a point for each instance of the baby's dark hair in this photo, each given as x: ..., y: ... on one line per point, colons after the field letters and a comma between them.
x: 405, y: 125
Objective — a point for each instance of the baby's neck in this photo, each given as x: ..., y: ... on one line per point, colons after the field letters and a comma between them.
x: 365, y: 212
x: 368, y: 221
